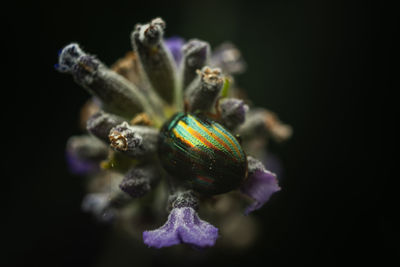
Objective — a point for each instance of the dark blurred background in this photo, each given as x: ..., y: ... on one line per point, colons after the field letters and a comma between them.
x: 309, y: 61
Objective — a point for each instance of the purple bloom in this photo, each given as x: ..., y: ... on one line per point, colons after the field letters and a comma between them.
x: 79, y: 166
x: 174, y: 45
x: 183, y: 226
x: 84, y: 154
x: 260, y: 185
x: 274, y: 165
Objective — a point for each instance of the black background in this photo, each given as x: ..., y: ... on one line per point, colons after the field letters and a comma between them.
x: 312, y: 62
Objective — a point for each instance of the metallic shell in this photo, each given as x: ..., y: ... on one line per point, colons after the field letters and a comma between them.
x: 202, y: 153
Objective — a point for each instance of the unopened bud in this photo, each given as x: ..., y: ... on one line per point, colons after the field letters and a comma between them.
x: 135, y: 141
x: 139, y: 180
x: 84, y: 154
x: 196, y: 54
x: 204, y: 90
x: 156, y: 60
x: 263, y: 123
x: 118, y: 95
x: 101, y: 123
x: 233, y: 112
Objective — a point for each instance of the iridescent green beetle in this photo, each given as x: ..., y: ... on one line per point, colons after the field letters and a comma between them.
x: 202, y: 153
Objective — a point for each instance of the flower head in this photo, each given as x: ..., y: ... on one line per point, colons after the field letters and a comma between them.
x: 167, y: 122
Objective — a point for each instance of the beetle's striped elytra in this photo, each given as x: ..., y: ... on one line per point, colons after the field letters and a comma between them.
x: 202, y: 153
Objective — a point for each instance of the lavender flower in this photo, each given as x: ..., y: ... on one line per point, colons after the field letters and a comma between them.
x: 175, y: 44
x: 84, y: 153
x: 183, y: 226
x: 135, y: 100
x: 260, y: 184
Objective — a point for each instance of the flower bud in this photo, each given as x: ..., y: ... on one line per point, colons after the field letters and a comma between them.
x: 204, y: 90
x: 156, y: 60
x: 129, y: 67
x: 233, y: 112
x: 118, y: 95
x: 135, y: 141
x: 101, y: 123
x: 196, y: 54
x: 139, y: 180
x: 84, y: 154
x: 263, y: 123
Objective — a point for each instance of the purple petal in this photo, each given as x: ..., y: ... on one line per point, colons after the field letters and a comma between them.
x: 260, y: 185
x: 84, y: 154
x: 174, y: 44
x: 79, y: 166
x: 273, y: 164
x: 183, y: 226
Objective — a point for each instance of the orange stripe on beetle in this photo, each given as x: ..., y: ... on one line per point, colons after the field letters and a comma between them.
x: 220, y: 141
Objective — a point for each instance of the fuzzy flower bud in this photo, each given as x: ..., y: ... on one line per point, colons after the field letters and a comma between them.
x: 261, y: 122
x: 84, y: 154
x: 118, y: 95
x: 156, y: 60
x: 139, y: 180
x: 196, y: 54
x: 101, y: 123
x: 130, y: 68
x: 203, y: 92
x: 233, y: 112
x: 135, y: 141
x: 105, y: 197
